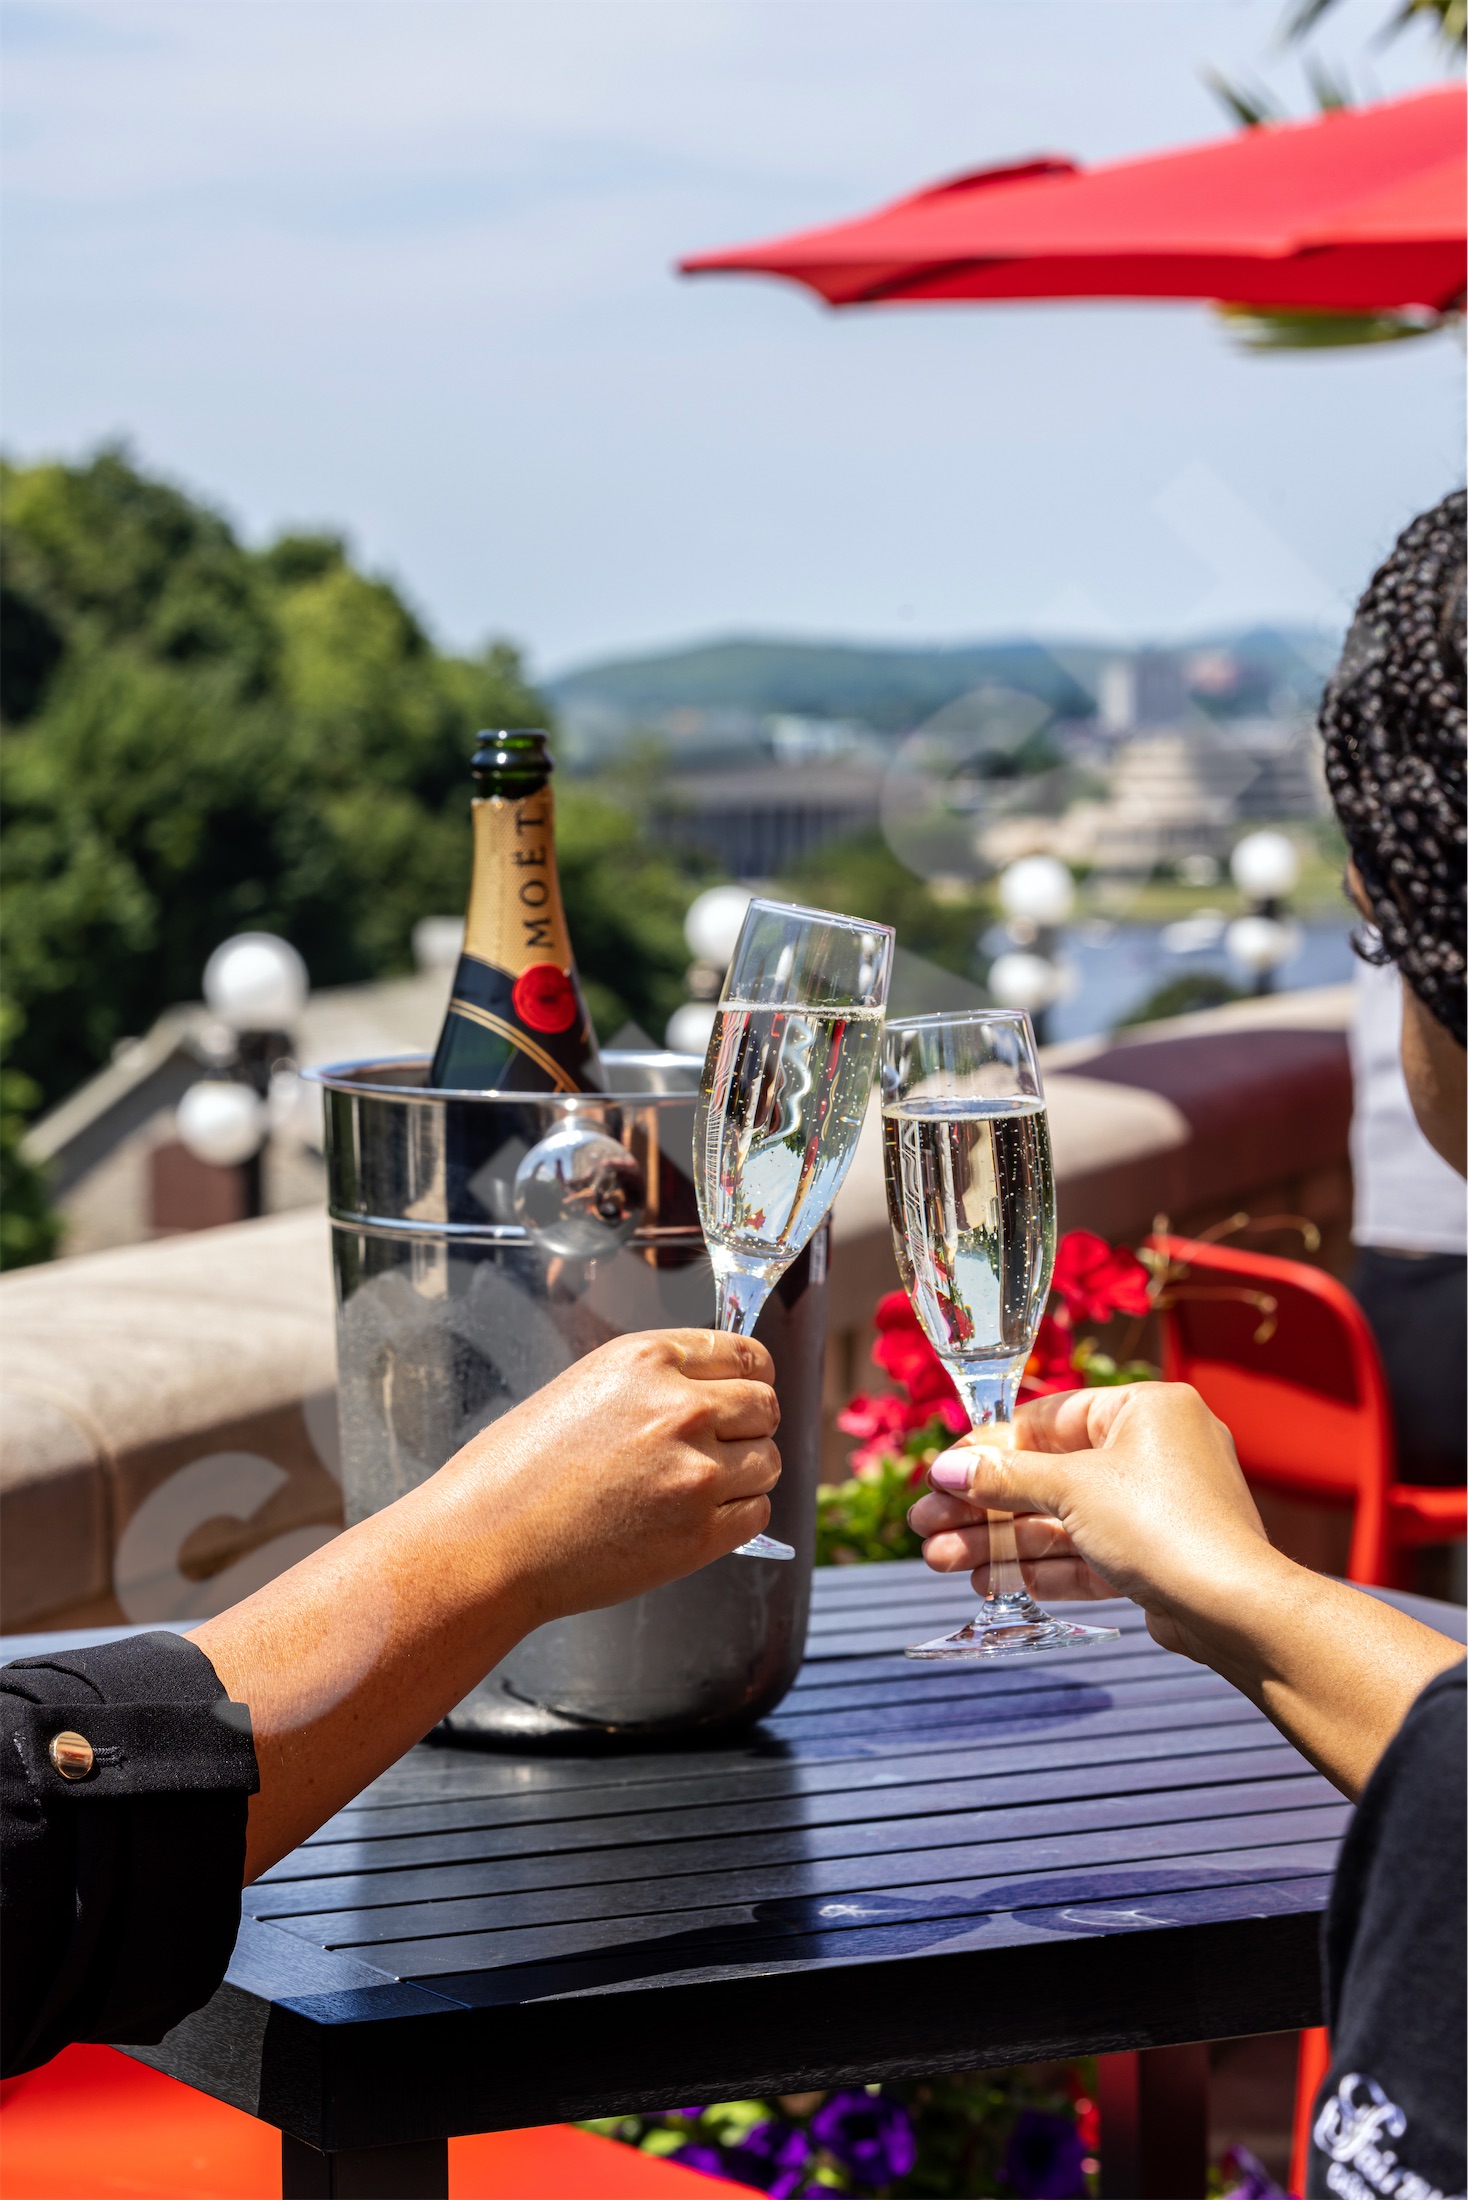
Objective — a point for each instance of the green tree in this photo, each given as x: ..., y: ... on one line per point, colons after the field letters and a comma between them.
x: 30, y: 1230
x: 860, y: 877
x: 202, y: 738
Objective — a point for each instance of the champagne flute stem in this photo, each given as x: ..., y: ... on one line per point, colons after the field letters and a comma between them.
x: 989, y: 1396
x: 739, y: 1298
x: 740, y: 1294
x: 1006, y: 1580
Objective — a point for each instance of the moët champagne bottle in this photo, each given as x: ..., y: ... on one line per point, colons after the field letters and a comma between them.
x: 517, y: 1020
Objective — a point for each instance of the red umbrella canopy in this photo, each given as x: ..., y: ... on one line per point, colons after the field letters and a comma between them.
x: 1356, y: 211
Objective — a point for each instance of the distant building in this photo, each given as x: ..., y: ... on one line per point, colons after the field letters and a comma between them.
x: 757, y: 823
x: 1289, y: 767
x: 1171, y: 795
x: 1147, y: 688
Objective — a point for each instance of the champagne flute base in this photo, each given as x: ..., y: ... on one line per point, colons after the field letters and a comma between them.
x: 1011, y: 1635
x: 763, y: 1546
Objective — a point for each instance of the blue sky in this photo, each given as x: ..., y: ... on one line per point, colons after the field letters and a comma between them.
x: 403, y: 267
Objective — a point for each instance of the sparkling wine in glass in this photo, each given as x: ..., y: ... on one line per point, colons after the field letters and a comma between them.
x: 789, y: 1071
x: 971, y: 1196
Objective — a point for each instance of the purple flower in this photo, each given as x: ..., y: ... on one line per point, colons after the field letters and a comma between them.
x: 1253, y: 2179
x: 771, y: 2157
x: 1044, y: 2157
x: 869, y: 2135
x: 707, y: 2159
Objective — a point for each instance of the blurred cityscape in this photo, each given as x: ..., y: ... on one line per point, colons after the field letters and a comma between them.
x: 1123, y: 763
x: 208, y: 740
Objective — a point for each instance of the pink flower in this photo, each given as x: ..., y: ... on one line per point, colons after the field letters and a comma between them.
x: 1095, y: 1280
x: 886, y: 1421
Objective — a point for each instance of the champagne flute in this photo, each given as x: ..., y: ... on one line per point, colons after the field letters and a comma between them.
x: 971, y: 1197
x: 789, y: 1071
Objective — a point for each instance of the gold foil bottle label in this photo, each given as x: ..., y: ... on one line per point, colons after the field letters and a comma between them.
x: 515, y: 918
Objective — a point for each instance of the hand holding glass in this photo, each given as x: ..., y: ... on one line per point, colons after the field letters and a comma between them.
x: 971, y: 1197
x: 789, y: 1071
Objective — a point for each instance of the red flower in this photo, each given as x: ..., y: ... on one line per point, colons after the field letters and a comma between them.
x: 1096, y: 1280
x: 887, y: 1415
x: 905, y: 1353
x: 1049, y: 1365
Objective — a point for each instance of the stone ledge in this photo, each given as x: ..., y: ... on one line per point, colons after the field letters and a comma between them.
x: 122, y: 1367
x: 206, y: 1364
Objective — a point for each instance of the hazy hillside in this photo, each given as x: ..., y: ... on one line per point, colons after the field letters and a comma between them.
x: 889, y: 687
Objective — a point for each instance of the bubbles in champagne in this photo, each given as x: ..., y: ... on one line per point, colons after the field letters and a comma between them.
x: 779, y: 1114
x: 970, y: 1193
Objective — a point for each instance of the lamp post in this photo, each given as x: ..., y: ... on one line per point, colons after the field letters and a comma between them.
x: 257, y: 986
x: 1265, y: 868
x: 711, y: 928
x: 1037, y: 894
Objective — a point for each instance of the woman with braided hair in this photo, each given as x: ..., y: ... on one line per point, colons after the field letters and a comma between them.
x: 1393, y: 728
x: 1137, y: 1490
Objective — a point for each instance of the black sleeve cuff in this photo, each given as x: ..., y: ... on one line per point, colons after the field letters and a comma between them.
x: 122, y: 1895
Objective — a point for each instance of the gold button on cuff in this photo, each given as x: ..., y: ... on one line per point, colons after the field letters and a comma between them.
x: 72, y: 1755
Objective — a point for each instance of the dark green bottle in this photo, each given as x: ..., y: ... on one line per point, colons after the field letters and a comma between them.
x: 517, y: 1021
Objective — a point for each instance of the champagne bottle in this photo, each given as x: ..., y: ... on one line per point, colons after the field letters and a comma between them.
x: 516, y: 1021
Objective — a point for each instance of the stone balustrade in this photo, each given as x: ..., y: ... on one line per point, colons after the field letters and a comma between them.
x: 169, y: 1426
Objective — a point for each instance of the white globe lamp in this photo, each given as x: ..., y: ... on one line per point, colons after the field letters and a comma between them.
x: 1021, y: 980
x: 714, y: 922
x: 222, y: 1122
x: 1039, y: 890
x: 256, y: 982
x: 691, y: 1027
x: 1265, y: 866
x: 1261, y: 944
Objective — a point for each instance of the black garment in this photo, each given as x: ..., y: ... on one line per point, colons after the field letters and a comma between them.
x: 1392, y: 2109
x: 120, y: 1894
x: 1417, y: 1305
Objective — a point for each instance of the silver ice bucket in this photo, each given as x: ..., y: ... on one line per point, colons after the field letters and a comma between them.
x: 482, y: 1243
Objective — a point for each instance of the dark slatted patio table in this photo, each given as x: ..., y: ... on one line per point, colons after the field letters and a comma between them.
x: 908, y: 1868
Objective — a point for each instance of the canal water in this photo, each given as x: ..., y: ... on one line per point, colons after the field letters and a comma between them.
x: 1116, y: 966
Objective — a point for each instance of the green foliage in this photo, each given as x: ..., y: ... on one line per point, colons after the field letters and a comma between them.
x: 625, y: 905
x: 865, y: 1518
x: 1182, y: 996
x: 1320, y: 331
x: 202, y: 738
x: 29, y: 1228
x: 1448, y: 17
x: 861, y: 877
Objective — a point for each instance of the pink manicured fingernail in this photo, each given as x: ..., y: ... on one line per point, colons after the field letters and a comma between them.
x: 952, y: 1470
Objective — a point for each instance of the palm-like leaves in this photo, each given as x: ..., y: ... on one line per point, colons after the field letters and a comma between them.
x: 1252, y: 106
x: 1451, y: 17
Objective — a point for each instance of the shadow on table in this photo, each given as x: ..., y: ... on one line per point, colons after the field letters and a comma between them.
x: 806, y: 1930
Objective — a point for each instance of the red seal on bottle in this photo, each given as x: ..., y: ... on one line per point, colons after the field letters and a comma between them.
x: 544, y: 998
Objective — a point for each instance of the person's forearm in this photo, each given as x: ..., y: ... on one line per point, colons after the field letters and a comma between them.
x: 351, y: 1657
x: 1334, y: 1667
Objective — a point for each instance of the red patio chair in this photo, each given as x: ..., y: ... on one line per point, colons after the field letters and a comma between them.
x: 94, y: 2125
x: 1299, y: 1386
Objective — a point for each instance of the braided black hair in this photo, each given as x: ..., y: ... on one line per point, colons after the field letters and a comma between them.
x: 1394, y: 720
